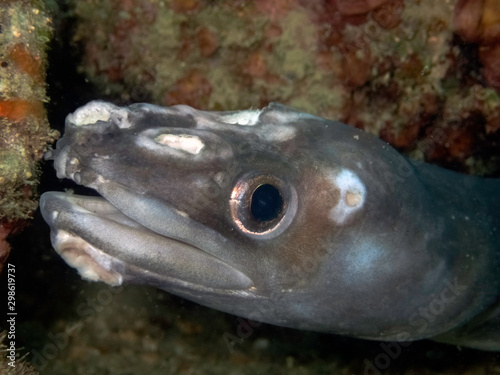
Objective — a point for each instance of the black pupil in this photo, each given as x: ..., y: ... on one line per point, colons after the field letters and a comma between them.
x: 267, y: 203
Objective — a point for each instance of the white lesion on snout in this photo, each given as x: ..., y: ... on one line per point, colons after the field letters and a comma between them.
x: 191, y: 144
x: 352, y: 195
x: 249, y: 117
x: 96, y: 111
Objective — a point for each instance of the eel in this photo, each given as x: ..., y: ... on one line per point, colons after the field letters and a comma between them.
x: 281, y: 217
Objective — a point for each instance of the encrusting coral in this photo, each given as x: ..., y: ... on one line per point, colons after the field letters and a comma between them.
x: 25, y: 30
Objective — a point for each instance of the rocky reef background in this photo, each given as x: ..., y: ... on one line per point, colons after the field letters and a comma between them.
x: 422, y: 75
x: 25, y: 31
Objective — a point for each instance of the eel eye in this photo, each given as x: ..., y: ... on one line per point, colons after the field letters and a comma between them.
x: 262, y: 205
x: 266, y: 203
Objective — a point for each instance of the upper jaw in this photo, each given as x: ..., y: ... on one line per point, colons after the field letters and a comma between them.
x: 105, y: 245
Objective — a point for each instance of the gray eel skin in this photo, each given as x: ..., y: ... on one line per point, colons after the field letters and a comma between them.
x: 281, y: 217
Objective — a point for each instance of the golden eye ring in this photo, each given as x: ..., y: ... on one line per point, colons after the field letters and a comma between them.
x: 262, y: 205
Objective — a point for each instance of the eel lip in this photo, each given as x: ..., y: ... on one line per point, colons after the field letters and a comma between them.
x: 103, y: 244
x: 92, y: 263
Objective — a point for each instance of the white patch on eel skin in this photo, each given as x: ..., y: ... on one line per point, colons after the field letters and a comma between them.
x: 96, y: 111
x: 352, y: 195
x: 246, y: 118
x: 183, y: 142
x: 277, y: 133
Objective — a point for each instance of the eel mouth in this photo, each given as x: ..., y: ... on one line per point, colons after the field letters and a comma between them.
x: 104, y: 244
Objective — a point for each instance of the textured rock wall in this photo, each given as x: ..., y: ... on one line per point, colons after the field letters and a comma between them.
x: 25, y: 30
